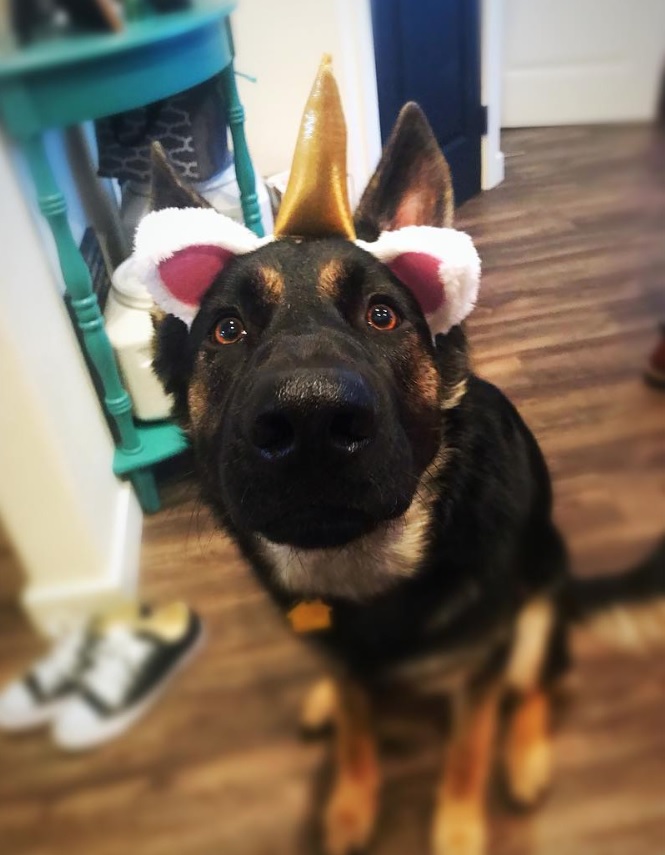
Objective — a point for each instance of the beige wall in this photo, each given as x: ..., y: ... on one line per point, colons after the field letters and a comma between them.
x: 11, y: 575
x: 281, y: 44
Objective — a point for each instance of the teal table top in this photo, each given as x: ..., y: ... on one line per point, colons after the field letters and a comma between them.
x: 49, y: 55
x: 78, y: 78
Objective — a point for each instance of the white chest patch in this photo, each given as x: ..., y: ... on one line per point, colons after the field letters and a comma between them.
x: 368, y: 566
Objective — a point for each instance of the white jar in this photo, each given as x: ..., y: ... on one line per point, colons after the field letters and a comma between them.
x: 129, y: 327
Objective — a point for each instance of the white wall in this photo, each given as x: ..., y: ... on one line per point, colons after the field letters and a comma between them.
x: 581, y: 61
x: 281, y: 44
x: 75, y: 527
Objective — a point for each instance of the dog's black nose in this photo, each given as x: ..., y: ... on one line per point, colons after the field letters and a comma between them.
x: 329, y: 412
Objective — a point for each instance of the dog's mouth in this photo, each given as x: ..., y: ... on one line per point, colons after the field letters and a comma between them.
x: 322, y: 527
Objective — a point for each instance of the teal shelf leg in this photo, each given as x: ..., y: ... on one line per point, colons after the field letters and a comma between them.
x: 88, y: 316
x: 145, y: 485
x: 244, y: 169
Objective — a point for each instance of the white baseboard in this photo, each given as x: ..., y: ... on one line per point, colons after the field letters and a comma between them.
x: 53, y: 609
x: 493, y: 166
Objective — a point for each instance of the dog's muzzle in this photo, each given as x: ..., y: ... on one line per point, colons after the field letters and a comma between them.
x: 311, y: 416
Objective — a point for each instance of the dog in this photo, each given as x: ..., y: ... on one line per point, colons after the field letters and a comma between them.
x: 392, y: 503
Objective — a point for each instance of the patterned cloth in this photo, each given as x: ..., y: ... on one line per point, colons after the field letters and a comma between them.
x: 191, y: 126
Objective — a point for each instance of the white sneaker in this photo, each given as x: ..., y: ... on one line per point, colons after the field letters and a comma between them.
x: 126, y: 672
x: 34, y: 699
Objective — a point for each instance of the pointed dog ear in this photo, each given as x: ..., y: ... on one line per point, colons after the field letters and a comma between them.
x: 411, y: 185
x: 168, y: 190
x: 440, y: 267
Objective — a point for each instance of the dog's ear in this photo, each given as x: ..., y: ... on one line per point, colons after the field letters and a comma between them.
x: 179, y: 252
x: 440, y: 267
x: 411, y: 185
x: 172, y: 360
x: 168, y: 190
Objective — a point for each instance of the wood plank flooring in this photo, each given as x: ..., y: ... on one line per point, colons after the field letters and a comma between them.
x: 573, y: 248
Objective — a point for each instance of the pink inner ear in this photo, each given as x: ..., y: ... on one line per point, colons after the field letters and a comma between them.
x: 420, y: 273
x: 189, y: 273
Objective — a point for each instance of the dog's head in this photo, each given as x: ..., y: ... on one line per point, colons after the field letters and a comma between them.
x: 306, y: 372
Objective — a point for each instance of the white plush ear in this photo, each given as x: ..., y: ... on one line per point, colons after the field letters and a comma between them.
x: 179, y: 252
x: 439, y: 266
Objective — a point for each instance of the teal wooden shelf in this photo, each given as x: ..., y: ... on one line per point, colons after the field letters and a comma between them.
x: 148, y: 32
x: 159, y: 441
x: 76, y: 79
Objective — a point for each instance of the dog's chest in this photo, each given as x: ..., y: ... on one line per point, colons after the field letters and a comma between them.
x: 366, y: 568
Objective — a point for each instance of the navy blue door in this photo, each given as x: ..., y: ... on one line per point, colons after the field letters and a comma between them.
x: 429, y: 51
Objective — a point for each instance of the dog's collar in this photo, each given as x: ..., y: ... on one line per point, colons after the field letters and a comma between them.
x: 307, y: 616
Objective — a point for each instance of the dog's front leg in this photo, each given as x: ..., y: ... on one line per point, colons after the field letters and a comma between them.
x: 351, y: 811
x: 460, y: 823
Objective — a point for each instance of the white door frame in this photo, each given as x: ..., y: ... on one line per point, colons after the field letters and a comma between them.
x: 491, y: 72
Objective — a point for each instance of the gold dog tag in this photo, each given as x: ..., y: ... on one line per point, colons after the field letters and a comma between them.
x: 310, y: 616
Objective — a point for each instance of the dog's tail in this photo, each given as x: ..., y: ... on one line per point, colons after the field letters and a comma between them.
x: 626, y: 609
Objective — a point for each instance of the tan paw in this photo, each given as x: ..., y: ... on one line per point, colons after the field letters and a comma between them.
x: 529, y: 771
x: 350, y: 817
x: 318, y: 710
x: 459, y: 829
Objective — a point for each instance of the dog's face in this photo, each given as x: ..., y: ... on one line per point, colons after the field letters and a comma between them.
x: 308, y: 381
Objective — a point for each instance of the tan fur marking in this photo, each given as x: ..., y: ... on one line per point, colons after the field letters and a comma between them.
x: 157, y: 315
x: 351, y: 811
x: 454, y: 397
x: 423, y: 381
x: 427, y: 384
x: 331, y: 275
x: 272, y: 282
x: 320, y: 705
x: 460, y: 824
x: 528, y: 749
x: 370, y: 564
x: 532, y: 632
x: 197, y: 402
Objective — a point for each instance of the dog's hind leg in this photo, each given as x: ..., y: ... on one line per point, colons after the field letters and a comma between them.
x: 351, y: 811
x: 460, y: 822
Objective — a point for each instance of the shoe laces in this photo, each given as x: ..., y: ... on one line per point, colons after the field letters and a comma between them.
x: 114, y: 663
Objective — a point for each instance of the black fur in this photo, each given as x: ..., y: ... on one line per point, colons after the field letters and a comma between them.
x: 491, y: 545
x: 585, y: 597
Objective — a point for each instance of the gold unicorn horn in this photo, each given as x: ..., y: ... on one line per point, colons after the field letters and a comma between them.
x: 316, y: 201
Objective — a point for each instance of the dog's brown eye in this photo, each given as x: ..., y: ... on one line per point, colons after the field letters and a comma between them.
x: 229, y: 331
x: 382, y: 317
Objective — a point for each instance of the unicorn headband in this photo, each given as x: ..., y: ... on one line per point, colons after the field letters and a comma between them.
x: 179, y: 252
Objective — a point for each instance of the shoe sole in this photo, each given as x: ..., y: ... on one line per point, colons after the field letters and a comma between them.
x: 34, y: 720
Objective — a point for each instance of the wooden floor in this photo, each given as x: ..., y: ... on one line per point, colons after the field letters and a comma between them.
x: 574, y: 271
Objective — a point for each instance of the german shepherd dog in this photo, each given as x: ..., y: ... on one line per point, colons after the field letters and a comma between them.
x: 361, y: 466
